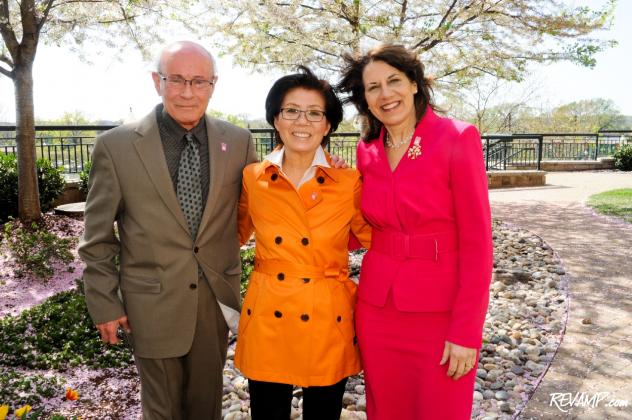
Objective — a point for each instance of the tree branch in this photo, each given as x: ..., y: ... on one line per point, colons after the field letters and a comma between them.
x: 6, y: 60
x: 128, y: 21
x: 402, y: 18
x: 8, y: 35
x: 124, y: 19
x: 315, y: 9
x: 311, y: 47
x: 304, y: 6
x: 64, y: 3
x: 44, y: 18
x: 100, y: 22
x: 441, y: 23
x: 30, y: 32
x: 455, y: 27
x: 7, y: 73
x: 459, y: 70
x: 450, y: 73
x: 348, y: 14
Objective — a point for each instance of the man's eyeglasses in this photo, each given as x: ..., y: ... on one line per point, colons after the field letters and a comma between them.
x: 312, y: 115
x: 179, y: 82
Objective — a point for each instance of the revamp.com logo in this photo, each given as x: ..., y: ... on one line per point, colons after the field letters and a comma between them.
x: 564, y: 401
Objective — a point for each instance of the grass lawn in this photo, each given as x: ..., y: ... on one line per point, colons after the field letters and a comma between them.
x: 613, y: 203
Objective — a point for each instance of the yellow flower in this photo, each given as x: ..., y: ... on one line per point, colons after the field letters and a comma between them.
x: 71, y: 394
x: 20, y: 412
x: 4, y: 410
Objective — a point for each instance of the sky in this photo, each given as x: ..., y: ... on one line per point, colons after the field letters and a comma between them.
x: 120, y: 88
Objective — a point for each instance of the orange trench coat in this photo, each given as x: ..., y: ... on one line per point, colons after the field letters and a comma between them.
x: 297, y: 324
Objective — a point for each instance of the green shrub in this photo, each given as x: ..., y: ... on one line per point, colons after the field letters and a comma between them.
x: 50, y: 182
x: 57, y: 334
x: 623, y: 158
x: 8, y: 186
x: 84, y: 175
x: 247, y: 265
x: 35, y: 249
x: 20, y: 388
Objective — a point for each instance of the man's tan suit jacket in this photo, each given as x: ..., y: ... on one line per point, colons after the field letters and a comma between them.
x: 158, y: 274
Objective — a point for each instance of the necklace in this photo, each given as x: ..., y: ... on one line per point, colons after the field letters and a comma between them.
x: 389, y: 144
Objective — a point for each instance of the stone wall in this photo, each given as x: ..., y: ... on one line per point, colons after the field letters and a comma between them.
x: 577, y: 165
x: 71, y: 194
x: 506, y: 179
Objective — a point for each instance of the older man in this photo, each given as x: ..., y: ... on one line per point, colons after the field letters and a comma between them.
x: 171, y: 183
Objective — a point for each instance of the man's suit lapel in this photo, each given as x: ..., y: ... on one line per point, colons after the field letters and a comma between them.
x: 151, y: 153
x: 219, y: 152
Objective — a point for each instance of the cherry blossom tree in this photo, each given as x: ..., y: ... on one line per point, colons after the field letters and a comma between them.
x: 459, y: 40
x: 81, y: 25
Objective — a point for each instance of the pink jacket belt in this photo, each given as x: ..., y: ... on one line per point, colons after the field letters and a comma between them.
x: 424, y: 246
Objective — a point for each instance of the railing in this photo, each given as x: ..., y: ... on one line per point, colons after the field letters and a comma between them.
x: 70, y: 146
x: 71, y: 150
x: 517, y: 151
x: 571, y: 146
x: 526, y: 151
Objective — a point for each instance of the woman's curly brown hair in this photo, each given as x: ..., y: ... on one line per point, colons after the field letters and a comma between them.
x: 397, y: 56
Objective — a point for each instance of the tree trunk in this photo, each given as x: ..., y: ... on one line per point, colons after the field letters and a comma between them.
x: 28, y: 193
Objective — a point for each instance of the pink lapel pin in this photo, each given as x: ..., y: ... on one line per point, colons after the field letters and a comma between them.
x: 224, y: 147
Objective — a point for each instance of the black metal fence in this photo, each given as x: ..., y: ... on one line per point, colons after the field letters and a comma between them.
x: 504, y: 152
x: 526, y: 151
x: 70, y: 146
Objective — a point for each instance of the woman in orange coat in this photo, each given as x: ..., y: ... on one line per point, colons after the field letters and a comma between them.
x: 297, y: 322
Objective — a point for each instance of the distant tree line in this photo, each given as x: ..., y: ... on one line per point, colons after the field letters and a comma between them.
x: 585, y: 116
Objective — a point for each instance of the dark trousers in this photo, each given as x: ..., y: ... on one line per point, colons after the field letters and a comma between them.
x: 189, y: 387
x: 273, y: 401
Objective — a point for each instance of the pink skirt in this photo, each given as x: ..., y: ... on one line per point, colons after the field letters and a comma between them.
x: 400, y: 354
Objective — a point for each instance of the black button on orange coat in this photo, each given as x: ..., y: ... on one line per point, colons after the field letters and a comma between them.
x: 306, y: 345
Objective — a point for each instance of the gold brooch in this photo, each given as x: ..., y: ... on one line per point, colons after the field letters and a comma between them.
x: 415, y: 150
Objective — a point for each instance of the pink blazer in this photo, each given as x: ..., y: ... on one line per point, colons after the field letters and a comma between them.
x: 432, y: 240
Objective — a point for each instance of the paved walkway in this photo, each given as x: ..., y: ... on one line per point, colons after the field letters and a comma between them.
x: 596, y: 251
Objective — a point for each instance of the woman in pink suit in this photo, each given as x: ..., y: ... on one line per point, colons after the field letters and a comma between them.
x: 424, y: 284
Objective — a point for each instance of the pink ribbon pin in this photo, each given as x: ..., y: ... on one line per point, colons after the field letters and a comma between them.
x: 224, y: 147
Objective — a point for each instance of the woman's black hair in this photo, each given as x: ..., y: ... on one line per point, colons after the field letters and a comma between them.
x: 304, y: 79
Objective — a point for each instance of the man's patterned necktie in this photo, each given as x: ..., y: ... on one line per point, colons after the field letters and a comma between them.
x: 189, y: 188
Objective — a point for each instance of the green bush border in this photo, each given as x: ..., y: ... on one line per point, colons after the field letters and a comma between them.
x: 50, y: 181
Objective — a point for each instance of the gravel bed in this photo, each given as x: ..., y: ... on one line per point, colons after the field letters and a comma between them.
x: 523, y: 329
